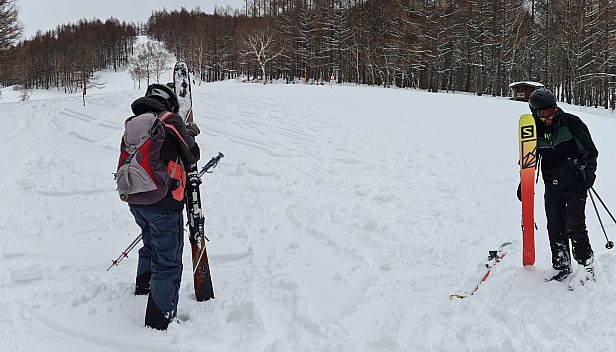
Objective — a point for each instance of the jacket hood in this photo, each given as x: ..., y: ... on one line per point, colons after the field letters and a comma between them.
x: 146, y: 104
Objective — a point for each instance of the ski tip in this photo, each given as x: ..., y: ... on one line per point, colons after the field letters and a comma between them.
x: 505, y: 244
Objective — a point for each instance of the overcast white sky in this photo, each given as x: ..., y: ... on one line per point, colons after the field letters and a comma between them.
x: 48, y: 14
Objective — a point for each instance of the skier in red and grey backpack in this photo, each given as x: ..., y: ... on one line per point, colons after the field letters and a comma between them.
x: 159, y: 269
x: 568, y: 159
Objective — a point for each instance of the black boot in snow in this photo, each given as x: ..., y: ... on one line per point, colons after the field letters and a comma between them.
x: 154, y: 317
x: 142, y: 284
x: 554, y: 274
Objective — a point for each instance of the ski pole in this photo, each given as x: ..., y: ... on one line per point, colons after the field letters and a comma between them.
x: 206, y: 169
x: 125, y: 252
x: 211, y: 164
x: 609, y: 244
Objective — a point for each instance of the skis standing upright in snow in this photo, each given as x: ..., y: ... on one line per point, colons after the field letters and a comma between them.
x: 527, y: 133
x: 196, y: 219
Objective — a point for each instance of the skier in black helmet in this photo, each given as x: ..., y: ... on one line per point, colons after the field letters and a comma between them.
x: 159, y: 269
x: 568, y: 159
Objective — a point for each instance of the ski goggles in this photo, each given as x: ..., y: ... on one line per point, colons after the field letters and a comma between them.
x: 547, y: 112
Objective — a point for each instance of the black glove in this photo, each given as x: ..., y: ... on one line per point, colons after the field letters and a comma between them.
x: 520, y: 191
x: 588, y: 180
x: 193, y: 129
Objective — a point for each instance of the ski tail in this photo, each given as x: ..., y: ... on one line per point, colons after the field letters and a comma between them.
x: 201, y: 271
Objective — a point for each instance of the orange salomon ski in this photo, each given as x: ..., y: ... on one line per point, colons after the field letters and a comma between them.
x: 527, y: 133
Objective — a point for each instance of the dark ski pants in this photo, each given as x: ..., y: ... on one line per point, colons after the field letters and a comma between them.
x: 163, y: 241
x: 566, y: 222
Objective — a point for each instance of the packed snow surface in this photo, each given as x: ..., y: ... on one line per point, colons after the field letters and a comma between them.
x: 341, y: 219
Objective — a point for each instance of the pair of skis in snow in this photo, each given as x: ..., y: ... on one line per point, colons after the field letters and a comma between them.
x: 527, y: 137
x: 194, y: 212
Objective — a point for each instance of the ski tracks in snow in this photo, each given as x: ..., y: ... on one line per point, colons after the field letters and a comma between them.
x: 100, y: 122
x: 379, y: 225
x: 62, y: 189
x: 335, y: 224
x: 341, y: 216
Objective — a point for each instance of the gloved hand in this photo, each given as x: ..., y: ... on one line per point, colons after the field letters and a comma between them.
x: 589, y: 180
x: 193, y: 129
x: 520, y: 191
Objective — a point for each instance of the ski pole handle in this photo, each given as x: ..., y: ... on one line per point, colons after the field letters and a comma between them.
x: 211, y: 164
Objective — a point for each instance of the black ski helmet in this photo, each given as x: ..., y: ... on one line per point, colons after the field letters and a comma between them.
x: 164, y: 94
x: 541, y: 98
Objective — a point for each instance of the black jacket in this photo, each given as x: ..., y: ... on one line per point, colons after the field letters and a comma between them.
x: 563, y: 147
x: 178, y: 144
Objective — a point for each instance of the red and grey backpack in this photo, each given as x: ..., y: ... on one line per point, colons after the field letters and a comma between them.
x: 142, y: 176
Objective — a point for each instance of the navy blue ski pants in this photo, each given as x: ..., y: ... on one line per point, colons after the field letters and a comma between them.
x: 163, y: 241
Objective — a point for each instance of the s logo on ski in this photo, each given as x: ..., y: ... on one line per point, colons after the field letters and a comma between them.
x: 527, y: 132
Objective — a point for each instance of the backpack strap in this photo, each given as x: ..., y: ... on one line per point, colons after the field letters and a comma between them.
x: 177, y: 164
x: 165, y: 115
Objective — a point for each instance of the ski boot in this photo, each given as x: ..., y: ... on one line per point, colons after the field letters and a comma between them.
x: 584, y: 274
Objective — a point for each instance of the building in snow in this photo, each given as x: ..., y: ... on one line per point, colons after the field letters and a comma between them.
x: 521, y: 90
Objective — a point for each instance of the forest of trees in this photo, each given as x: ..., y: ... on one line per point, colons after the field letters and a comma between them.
x: 68, y: 56
x: 477, y: 46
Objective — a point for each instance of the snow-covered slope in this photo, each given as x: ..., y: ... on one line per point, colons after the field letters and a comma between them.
x: 340, y: 220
